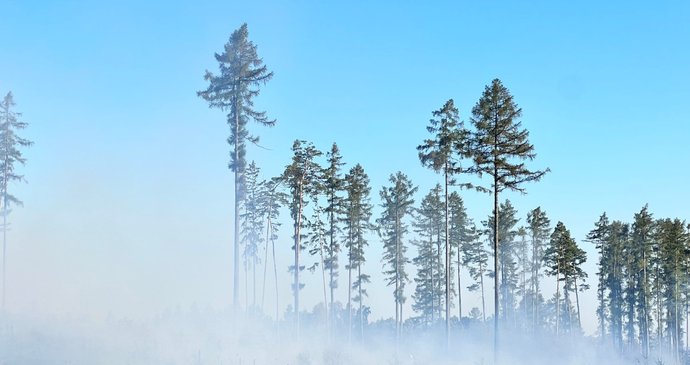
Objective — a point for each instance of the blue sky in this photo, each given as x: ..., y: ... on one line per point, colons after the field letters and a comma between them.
x: 128, y: 205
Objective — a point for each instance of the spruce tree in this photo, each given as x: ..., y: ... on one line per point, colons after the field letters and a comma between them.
x: 242, y: 72
x: 500, y: 147
x: 442, y: 153
x: 301, y: 177
x: 397, y: 203
x: 10, y: 155
x: 357, y: 225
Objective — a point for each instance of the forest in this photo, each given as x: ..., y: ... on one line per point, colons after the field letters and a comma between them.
x: 323, y: 209
x: 641, y: 285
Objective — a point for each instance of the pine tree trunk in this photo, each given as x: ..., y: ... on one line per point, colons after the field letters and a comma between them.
x: 263, y: 287
x: 558, y: 301
x: 332, y: 258
x: 349, y: 290
x: 4, y: 245
x: 496, y: 274
x: 236, y: 258
x: 275, y: 272
x: 397, y: 296
x: 448, y: 265
x: 325, y: 292
x: 298, y: 227
x: 361, y: 299
x: 481, y: 284
x: 459, y: 288
x: 577, y: 301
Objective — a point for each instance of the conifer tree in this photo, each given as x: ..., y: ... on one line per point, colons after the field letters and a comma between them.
x: 271, y: 201
x: 357, y: 225
x: 643, y: 241
x: 507, y: 263
x: 233, y: 91
x: 674, y: 252
x: 397, y: 203
x: 334, y: 186
x: 564, y: 259
x: 302, y: 178
x: 252, y: 228
x: 460, y: 234
x: 429, y: 225
x: 539, y: 230
x: 442, y: 153
x: 500, y: 147
x: 599, y: 236
x: 10, y: 155
x: 476, y: 260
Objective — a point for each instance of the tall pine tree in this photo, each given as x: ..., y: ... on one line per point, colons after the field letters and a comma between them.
x: 500, y: 148
x: 397, y: 203
x: 233, y: 91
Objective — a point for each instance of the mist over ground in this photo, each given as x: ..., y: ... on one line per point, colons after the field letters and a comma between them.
x: 207, y: 336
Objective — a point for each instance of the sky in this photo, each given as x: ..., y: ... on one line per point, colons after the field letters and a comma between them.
x: 128, y: 201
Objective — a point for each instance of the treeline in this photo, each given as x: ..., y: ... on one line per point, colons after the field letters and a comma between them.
x: 642, y: 289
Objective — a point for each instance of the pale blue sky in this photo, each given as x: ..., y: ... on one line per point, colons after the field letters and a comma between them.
x: 128, y: 206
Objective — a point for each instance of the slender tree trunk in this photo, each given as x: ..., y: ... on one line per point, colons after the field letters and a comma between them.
x: 297, y: 249
x: 333, y: 255
x: 448, y: 264
x: 558, y: 301
x: 397, y: 296
x: 645, y: 321
x: 431, y: 274
x: 459, y: 288
x: 496, y: 274
x: 325, y: 295
x: 263, y: 287
x: 481, y: 284
x: 577, y: 301
x: 349, y: 290
x: 4, y: 245
x: 236, y: 258
x: 361, y: 299
x: 275, y: 273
